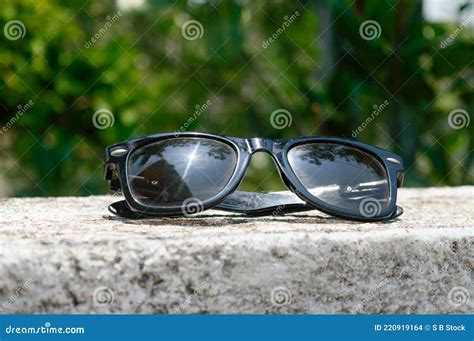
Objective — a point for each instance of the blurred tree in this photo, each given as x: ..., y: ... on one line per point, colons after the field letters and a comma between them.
x: 247, y: 59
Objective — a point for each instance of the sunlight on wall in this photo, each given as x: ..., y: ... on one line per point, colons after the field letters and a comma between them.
x: 445, y: 11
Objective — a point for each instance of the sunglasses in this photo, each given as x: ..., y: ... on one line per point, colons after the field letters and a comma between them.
x: 179, y: 174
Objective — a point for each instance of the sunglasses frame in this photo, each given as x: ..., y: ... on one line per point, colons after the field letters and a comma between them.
x: 117, y: 157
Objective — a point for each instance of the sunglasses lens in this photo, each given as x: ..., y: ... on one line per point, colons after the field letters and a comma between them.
x: 169, y: 172
x: 342, y: 176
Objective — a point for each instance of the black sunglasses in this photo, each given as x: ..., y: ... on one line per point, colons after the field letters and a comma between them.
x: 185, y: 173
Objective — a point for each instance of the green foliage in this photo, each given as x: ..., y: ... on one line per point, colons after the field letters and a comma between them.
x: 151, y: 78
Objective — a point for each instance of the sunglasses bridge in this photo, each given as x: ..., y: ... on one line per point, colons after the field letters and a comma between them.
x: 257, y: 144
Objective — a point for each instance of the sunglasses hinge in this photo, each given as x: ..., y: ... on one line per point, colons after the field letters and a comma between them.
x: 111, y: 174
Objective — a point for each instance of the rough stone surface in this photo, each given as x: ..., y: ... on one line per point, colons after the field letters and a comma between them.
x: 69, y: 255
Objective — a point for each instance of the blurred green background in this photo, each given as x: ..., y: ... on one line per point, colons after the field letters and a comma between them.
x: 147, y: 71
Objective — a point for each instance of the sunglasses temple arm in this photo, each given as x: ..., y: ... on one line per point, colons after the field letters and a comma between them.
x: 121, y: 209
x: 254, y: 203
x: 251, y: 203
x: 275, y: 203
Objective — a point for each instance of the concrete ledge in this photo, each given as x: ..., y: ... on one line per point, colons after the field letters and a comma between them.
x: 69, y: 255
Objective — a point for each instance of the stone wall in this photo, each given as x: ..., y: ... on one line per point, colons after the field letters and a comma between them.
x: 69, y: 255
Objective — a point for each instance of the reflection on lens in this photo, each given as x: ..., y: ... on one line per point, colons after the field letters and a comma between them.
x: 168, y: 172
x: 341, y: 176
